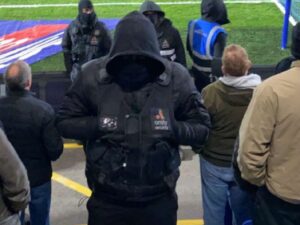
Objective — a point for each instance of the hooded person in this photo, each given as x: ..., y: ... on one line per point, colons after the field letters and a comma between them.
x: 132, y: 134
x: 170, y: 43
x: 206, y: 40
x: 285, y: 63
x: 85, y: 39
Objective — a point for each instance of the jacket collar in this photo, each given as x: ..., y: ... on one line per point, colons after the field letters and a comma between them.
x: 19, y: 93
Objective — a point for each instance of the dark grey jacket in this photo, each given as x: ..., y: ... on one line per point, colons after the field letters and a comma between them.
x: 14, y: 186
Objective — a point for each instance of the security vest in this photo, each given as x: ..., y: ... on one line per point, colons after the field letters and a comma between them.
x: 202, y: 37
x: 135, y: 157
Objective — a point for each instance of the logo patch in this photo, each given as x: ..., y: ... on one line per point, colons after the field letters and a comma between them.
x: 160, y: 119
x: 165, y: 44
x: 94, y: 41
x: 109, y: 123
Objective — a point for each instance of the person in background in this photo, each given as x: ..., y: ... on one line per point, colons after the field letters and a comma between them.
x: 170, y: 43
x: 132, y: 133
x: 285, y: 63
x: 29, y: 125
x: 269, y: 152
x: 14, y: 184
x: 206, y: 40
x: 85, y: 39
x: 226, y: 101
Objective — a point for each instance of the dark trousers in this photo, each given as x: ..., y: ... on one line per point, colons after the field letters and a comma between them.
x: 162, y: 211
x: 270, y: 210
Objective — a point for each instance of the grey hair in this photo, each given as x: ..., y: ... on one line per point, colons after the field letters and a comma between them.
x: 19, y: 80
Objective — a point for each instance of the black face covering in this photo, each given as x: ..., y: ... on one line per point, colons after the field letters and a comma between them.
x: 133, y: 76
x: 154, y: 18
x: 87, y: 20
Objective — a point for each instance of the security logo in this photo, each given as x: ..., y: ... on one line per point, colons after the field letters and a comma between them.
x: 109, y: 123
x: 160, y: 119
x: 165, y: 44
x: 94, y: 40
x: 97, y: 32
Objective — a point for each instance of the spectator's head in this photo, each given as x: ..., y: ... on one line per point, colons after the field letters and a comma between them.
x: 295, y: 48
x: 18, y: 76
x: 134, y: 57
x: 86, y: 13
x: 235, y: 61
x: 214, y: 11
x: 152, y: 11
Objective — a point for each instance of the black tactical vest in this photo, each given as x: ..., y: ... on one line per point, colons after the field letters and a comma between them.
x: 135, y: 158
x: 85, y: 47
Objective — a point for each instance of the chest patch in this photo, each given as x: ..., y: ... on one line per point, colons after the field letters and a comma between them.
x: 108, y: 123
x: 160, y: 119
x: 165, y: 44
x: 94, y: 40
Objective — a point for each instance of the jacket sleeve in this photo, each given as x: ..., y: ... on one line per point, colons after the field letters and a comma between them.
x: 51, y: 138
x: 106, y: 41
x: 179, y: 49
x: 74, y: 118
x: 193, y: 121
x: 13, y: 176
x: 220, y: 45
x: 255, y: 135
x: 67, y: 47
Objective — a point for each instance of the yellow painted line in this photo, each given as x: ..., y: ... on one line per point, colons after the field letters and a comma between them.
x: 185, y: 222
x: 71, y: 184
x: 72, y: 145
x: 190, y: 222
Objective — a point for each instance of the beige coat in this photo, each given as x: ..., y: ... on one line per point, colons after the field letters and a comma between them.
x: 269, y: 152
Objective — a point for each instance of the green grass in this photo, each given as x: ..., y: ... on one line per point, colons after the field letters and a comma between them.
x: 257, y: 27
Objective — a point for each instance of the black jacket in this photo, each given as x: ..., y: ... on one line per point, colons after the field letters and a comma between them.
x: 29, y: 126
x: 79, y: 47
x: 169, y: 40
x: 81, y: 114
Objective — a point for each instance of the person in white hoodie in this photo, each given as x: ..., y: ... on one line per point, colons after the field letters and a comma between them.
x: 226, y: 101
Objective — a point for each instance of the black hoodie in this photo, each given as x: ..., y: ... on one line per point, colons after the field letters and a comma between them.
x: 145, y: 43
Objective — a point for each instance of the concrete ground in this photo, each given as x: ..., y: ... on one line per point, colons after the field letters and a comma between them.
x: 69, y: 194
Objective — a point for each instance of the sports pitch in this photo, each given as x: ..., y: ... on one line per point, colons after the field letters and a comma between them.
x: 256, y: 26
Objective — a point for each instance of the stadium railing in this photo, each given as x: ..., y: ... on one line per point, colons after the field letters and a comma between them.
x: 52, y: 86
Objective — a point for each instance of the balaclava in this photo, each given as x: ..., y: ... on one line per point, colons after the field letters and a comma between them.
x: 86, y: 20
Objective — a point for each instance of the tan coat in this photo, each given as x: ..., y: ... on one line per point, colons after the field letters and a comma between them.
x: 269, y: 152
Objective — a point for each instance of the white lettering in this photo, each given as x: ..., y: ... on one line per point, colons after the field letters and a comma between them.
x: 27, y: 51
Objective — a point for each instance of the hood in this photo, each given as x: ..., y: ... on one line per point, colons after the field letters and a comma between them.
x: 151, y: 6
x: 233, y: 96
x: 86, y: 20
x: 214, y: 11
x: 249, y: 81
x: 85, y: 4
x: 135, y: 35
x: 295, y: 48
